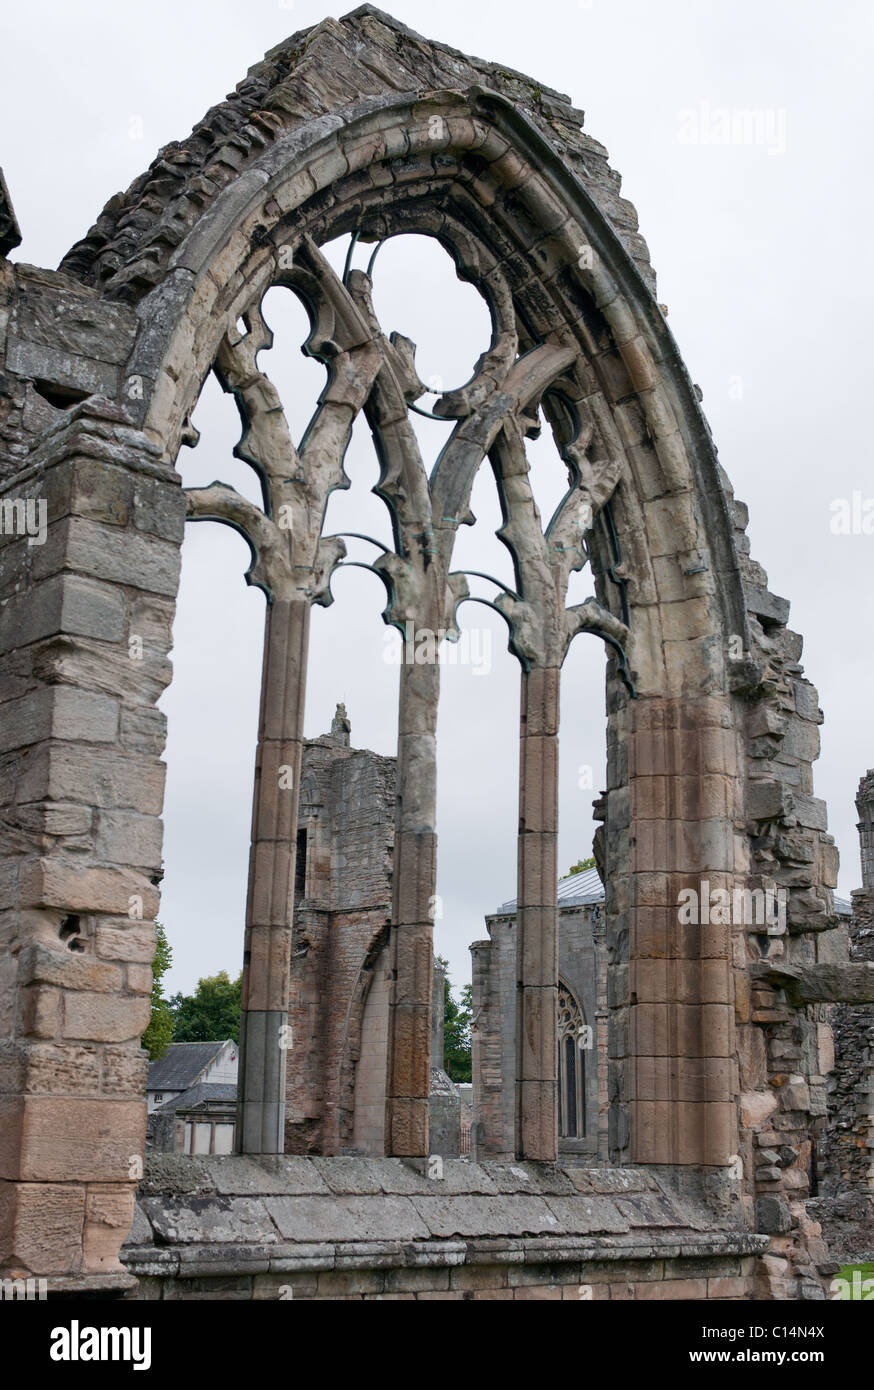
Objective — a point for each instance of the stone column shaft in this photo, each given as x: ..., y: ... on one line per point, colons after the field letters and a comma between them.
x: 412, y: 935
x: 261, y: 1106
x: 537, y: 918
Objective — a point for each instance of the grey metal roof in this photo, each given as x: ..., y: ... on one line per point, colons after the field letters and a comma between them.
x: 181, y: 1065
x: 203, y: 1091
x: 576, y: 891
x: 586, y: 887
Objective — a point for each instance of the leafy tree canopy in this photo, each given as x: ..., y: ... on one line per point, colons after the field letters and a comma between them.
x: 456, y: 1029
x: 211, y: 1012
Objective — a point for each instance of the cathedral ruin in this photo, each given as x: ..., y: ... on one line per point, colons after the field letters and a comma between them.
x: 692, y: 1177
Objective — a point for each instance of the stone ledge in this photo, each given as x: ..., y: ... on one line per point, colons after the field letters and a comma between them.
x: 243, y: 1216
x: 287, y: 1175
x: 213, y: 1262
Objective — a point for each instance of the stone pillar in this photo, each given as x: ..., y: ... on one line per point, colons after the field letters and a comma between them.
x: 263, y: 1047
x: 537, y: 918
x: 674, y: 1016
x: 414, y: 888
x: 438, y: 1010
x: 85, y: 629
x: 865, y: 807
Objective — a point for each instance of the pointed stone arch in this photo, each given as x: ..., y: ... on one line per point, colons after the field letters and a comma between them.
x: 361, y: 127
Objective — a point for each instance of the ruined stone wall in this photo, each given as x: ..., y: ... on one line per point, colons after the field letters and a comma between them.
x: 583, y: 968
x: 339, y: 995
x: 845, y: 1148
x: 717, y: 1066
x: 493, y: 1041
x: 719, y: 771
x: 342, y: 910
x: 327, y: 1228
x: 84, y: 634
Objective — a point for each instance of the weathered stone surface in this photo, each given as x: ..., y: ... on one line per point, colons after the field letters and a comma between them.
x: 818, y: 984
x: 264, y: 1175
x: 216, y: 1220
x: 711, y: 730
x: 773, y: 1215
x: 346, y: 1218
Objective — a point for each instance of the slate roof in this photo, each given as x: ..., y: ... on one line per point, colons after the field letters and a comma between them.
x: 182, y: 1065
x: 203, y: 1091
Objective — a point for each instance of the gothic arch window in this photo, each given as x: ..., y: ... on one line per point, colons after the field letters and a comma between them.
x: 573, y: 1036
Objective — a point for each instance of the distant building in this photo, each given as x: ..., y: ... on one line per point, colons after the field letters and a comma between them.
x: 581, y: 1026
x: 191, y: 1094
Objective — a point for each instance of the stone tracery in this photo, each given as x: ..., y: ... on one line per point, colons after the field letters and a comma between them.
x: 709, y: 766
x: 293, y: 563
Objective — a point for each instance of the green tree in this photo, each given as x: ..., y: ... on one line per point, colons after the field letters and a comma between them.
x: 578, y: 868
x: 159, y: 1034
x: 456, y: 1029
x: 211, y: 1012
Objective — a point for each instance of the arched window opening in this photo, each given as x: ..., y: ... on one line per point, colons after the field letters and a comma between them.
x: 573, y: 1036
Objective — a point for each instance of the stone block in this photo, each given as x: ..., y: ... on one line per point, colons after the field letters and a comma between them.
x: 40, y: 1011
x: 810, y: 812
x: 126, y: 941
x: 337, y: 1218
x: 540, y: 703
x: 159, y: 508
x: 773, y: 1218
x: 414, y: 963
x: 686, y: 620
x: 124, y: 837
x: 44, y: 1222
x: 225, y: 1221
x: 109, y: 1210
x: 411, y: 1055
x: 120, y: 556
x: 105, y: 1017
x: 59, y: 882
x: 538, y: 810
x: 139, y: 979
x: 683, y: 1133
x: 68, y: 970
x: 269, y: 1174
x: 61, y: 712
x: 588, y: 1215
x: 70, y: 1069
x: 671, y: 525
x: 756, y: 1107
x: 94, y: 776
x: 537, y: 942
x: 694, y: 1079
x: 124, y: 1071
x: 79, y: 1140
x: 671, y: 1290
x: 537, y: 1111
x: 538, y: 1043
x: 64, y: 603
x: 482, y: 1216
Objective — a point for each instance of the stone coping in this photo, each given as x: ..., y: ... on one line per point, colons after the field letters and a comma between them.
x: 208, y: 1217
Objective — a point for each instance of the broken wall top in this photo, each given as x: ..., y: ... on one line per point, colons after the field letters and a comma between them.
x: 324, y: 72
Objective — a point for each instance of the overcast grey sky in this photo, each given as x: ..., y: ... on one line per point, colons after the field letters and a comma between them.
x: 762, y: 254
